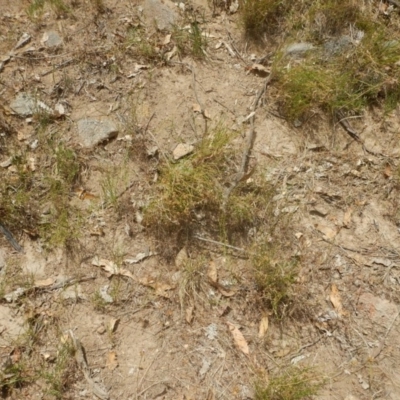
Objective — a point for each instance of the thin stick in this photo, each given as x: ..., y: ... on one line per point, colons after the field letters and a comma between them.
x: 243, y: 174
x: 59, y: 66
x: 219, y: 243
x: 8, y: 235
x: 354, y: 135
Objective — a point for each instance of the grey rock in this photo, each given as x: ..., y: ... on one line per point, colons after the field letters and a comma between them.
x: 52, y: 39
x: 298, y: 49
x: 25, y: 105
x: 160, y: 12
x: 94, y: 131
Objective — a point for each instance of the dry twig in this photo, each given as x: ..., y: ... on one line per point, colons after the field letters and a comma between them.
x: 243, y: 171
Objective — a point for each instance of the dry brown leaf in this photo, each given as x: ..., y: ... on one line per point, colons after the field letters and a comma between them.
x: 181, y: 258
x: 347, y: 218
x: 207, y: 114
x: 127, y: 273
x: 167, y: 39
x: 112, y: 361
x: 108, y: 266
x: 328, y: 233
x: 260, y: 70
x: 238, y: 338
x: 162, y: 288
x: 388, y: 171
x: 336, y: 300
x: 196, y: 107
x: 212, y: 272
x: 189, y: 314
x: 263, y: 327
x: 226, y: 292
x: 113, y: 324
x: 44, y: 282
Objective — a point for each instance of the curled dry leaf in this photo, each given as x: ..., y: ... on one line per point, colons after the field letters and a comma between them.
x: 388, y: 171
x: 336, y: 300
x: 167, y: 39
x: 112, y: 361
x: 113, y: 324
x: 196, y: 107
x: 44, y: 282
x: 189, y: 314
x: 226, y: 292
x: 263, y: 327
x: 181, y: 258
x: 212, y: 272
x: 260, y: 70
x: 327, y: 232
x: 238, y: 338
x: 347, y: 218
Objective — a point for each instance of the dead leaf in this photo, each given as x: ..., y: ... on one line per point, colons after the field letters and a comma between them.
x: 171, y: 53
x: 44, y: 282
x: 97, y: 231
x: 112, y: 362
x: 196, y: 107
x: 263, y: 327
x: 225, y: 292
x: 127, y: 273
x: 347, y: 218
x: 212, y: 272
x: 388, y: 171
x: 328, y: 233
x: 182, y: 150
x: 260, y: 70
x: 113, y: 324
x: 162, y: 288
x: 181, y: 258
x: 108, y: 266
x: 189, y: 314
x: 336, y: 300
x: 238, y: 338
x: 166, y: 40
x: 32, y: 163
x: 138, y: 67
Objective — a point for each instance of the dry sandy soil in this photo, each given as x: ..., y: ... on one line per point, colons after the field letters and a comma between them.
x: 343, y: 225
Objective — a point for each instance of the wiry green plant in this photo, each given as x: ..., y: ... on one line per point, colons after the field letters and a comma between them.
x: 274, y: 277
x: 292, y: 384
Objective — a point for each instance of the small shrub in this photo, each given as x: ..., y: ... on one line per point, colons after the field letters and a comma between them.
x: 274, y: 277
x: 192, y: 186
x: 190, y: 41
x: 293, y: 384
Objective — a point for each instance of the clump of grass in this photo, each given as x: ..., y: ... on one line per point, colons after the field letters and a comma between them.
x: 40, y: 180
x: 191, y: 41
x: 99, y: 6
x: 192, y: 185
x: 294, y: 384
x: 366, y: 75
x: 55, y: 371
x: 140, y: 44
x: 262, y: 16
x: 354, y: 64
x: 191, y: 194
x: 58, y: 376
x: 274, y: 277
x: 36, y: 8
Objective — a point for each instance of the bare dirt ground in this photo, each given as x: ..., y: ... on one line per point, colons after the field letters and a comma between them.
x: 340, y: 203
